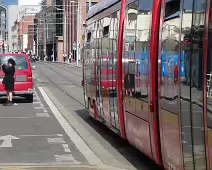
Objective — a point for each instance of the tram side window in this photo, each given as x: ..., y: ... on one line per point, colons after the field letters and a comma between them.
x: 92, y: 59
x: 105, y: 47
x: 112, y: 48
x: 142, y: 49
x: 169, y: 57
x: 88, y: 55
x: 130, y: 39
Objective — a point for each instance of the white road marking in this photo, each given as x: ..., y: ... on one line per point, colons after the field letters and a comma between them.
x: 64, y: 158
x: 14, y: 117
x: 76, y: 139
x: 38, y: 115
x: 37, y: 102
x: 55, y: 140
x: 7, y: 141
x: 37, y: 108
x: 66, y: 148
x: 42, y: 115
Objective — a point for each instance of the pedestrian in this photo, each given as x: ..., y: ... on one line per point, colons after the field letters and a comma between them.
x: 64, y: 57
x: 9, y: 80
x: 70, y: 57
x: 52, y: 57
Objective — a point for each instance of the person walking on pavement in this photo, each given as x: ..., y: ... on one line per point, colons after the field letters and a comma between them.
x: 64, y: 57
x: 9, y: 80
x: 70, y: 57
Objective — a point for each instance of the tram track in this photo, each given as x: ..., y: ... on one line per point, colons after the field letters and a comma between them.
x: 64, y: 68
x: 46, y: 65
x: 59, y: 87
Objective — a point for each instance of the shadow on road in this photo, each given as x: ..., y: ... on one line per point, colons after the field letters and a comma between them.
x: 15, y: 100
x: 134, y: 156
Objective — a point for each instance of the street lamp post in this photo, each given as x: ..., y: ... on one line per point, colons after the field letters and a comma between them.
x: 72, y: 14
x: 37, y: 40
x: 79, y: 31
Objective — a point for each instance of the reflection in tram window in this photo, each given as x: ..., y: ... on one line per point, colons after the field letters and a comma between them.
x: 196, y: 82
x: 186, y: 115
x: 168, y: 66
x: 130, y: 39
x: 111, y: 62
x: 209, y: 68
x: 88, y: 55
x: 209, y: 86
x: 136, y: 52
x: 142, y: 50
x: 194, y: 55
x: 93, y: 52
x: 169, y: 57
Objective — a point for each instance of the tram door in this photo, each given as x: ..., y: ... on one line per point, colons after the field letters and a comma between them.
x: 98, y: 71
x: 181, y: 104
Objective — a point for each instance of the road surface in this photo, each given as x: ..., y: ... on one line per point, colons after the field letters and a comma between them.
x: 56, y: 132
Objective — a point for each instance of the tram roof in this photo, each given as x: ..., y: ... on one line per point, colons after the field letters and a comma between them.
x: 102, y: 5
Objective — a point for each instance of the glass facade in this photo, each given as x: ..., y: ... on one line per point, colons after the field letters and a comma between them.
x: 59, y: 18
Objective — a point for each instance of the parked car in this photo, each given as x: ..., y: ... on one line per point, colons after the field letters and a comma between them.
x: 23, y: 76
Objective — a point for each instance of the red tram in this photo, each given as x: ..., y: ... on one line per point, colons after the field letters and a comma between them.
x: 128, y: 46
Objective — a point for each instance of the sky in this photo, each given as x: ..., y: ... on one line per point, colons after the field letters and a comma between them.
x: 10, y: 2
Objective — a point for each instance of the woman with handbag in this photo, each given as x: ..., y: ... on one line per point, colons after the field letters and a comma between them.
x: 9, y: 80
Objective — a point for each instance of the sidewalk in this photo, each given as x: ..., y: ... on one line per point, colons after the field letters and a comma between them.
x: 74, y: 64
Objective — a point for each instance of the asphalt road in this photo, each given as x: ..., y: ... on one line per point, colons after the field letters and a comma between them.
x: 56, y: 132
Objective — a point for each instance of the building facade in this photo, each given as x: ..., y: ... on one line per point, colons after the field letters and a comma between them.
x: 74, y: 17
x: 13, y: 45
x: 23, y: 31
x: 49, y: 29
x: 3, y: 30
x: 12, y: 26
x: 30, y: 45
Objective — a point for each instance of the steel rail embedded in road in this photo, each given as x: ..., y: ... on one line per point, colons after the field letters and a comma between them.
x: 66, y: 69
x: 60, y: 87
x: 64, y: 76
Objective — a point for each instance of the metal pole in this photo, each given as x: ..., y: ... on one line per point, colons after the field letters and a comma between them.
x: 37, y: 40
x: 65, y: 28
x: 72, y: 14
x: 78, y: 31
x: 53, y: 48
x: 44, y: 38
